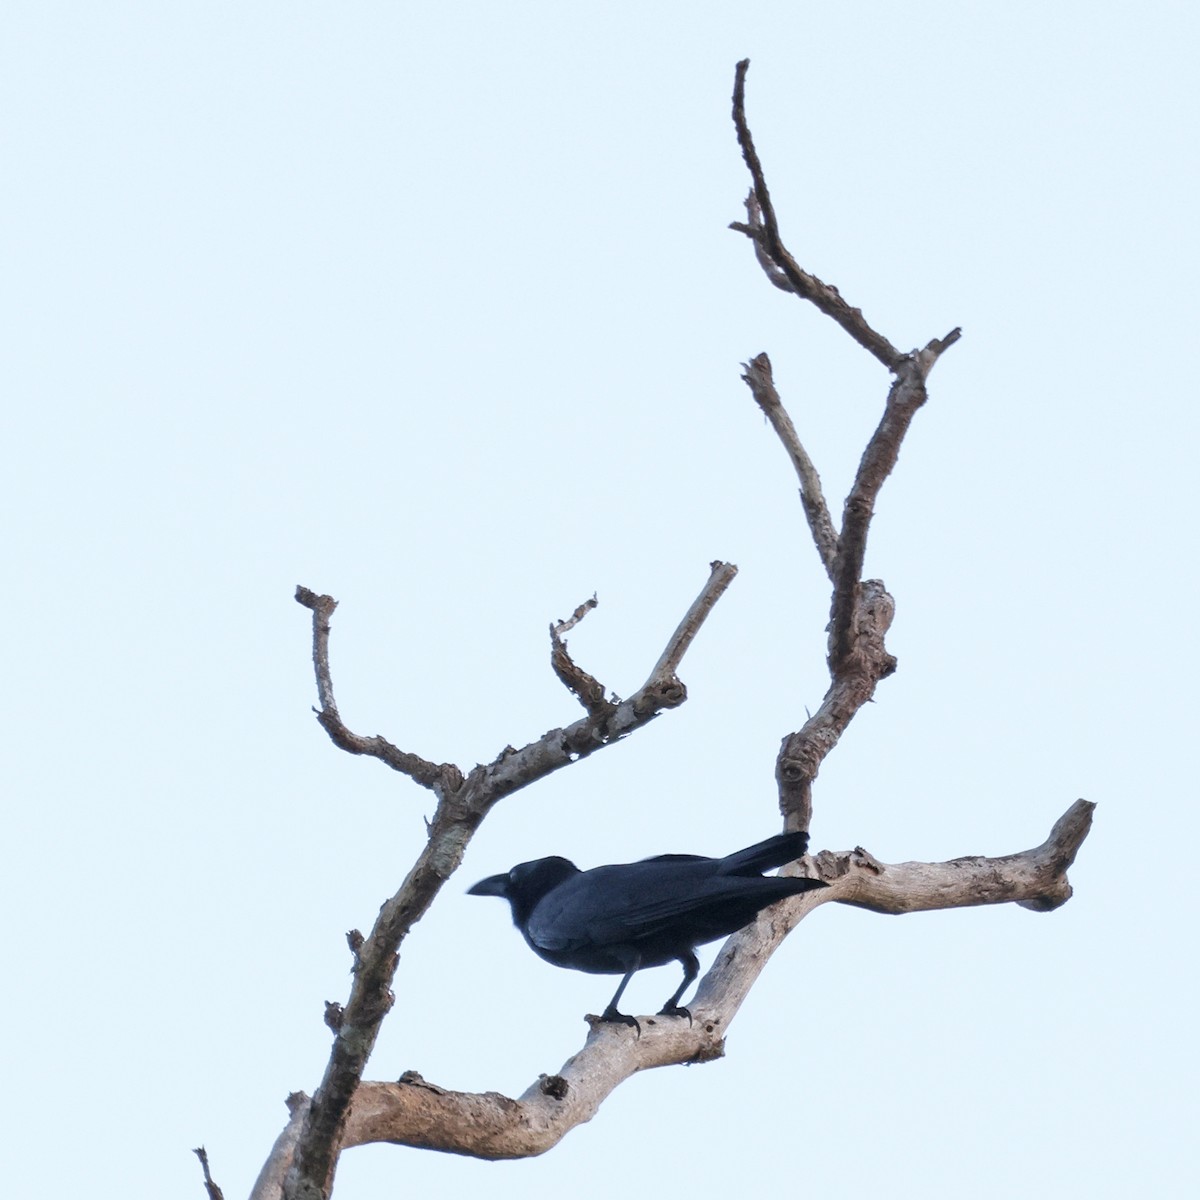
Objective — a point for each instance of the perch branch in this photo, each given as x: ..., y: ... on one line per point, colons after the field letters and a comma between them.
x: 492, y: 1126
x: 763, y: 230
x: 460, y: 810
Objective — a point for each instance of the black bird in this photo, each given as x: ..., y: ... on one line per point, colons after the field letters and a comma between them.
x: 615, y: 920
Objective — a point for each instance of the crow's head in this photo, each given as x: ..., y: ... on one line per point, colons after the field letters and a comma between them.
x: 526, y: 884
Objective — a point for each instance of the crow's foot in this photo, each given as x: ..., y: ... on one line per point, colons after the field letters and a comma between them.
x: 610, y: 1016
x: 675, y: 1010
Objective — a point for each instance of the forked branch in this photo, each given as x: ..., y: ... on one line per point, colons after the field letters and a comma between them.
x: 463, y: 802
x: 860, y: 610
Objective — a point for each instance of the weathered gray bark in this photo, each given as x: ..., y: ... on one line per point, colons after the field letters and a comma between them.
x: 346, y: 1112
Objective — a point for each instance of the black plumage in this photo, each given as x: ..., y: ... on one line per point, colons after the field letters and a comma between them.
x: 617, y: 919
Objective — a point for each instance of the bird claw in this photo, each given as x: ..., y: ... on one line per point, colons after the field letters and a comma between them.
x: 610, y: 1016
x: 675, y: 1010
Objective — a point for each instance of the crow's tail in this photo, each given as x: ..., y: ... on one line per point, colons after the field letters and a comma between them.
x: 765, y: 856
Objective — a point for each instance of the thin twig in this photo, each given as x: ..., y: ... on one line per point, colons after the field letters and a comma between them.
x: 762, y: 385
x: 437, y: 777
x: 588, y: 690
x: 765, y: 233
x: 721, y: 575
x: 214, y: 1192
x: 561, y: 627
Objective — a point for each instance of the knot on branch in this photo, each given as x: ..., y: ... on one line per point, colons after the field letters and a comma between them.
x: 863, y: 652
x: 792, y: 770
x: 1048, y: 901
x: 355, y: 939
x: 554, y: 1086
x: 416, y: 1079
x: 663, y: 693
x: 375, y: 1001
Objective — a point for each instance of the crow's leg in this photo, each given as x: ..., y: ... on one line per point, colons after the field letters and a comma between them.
x: 611, y: 1014
x: 691, y: 968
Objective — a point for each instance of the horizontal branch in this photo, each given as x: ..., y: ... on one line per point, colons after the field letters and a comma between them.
x: 489, y: 1125
x: 1035, y: 879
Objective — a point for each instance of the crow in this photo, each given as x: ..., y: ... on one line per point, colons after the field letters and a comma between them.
x: 615, y: 920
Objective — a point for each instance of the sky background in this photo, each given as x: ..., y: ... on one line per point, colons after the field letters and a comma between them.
x: 434, y: 308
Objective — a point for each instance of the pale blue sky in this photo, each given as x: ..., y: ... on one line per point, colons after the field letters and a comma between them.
x: 434, y: 308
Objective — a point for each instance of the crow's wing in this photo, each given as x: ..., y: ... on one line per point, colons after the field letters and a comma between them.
x: 753, y: 860
x: 670, y: 896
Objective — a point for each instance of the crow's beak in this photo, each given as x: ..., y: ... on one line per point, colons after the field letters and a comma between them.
x: 493, y: 885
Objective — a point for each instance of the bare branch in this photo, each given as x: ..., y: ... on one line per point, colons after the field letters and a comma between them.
x: 214, y: 1192
x: 761, y: 382
x: 905, y: 396
x: 764, y: 231
x: 721, y: 575
x: 438, y: 778
x: 801, y: 753
x: 927, y: 358
x: 581, y: 611
x: 753, y: 231
x: 459, y: 813
x: 1036, y: 879
x: 414, y: 1112
x: 586, y: 688
x: 269, y: 1184
x: 860, y: 611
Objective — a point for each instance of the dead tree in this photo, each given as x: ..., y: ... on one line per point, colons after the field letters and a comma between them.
x: 347, y: 1111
